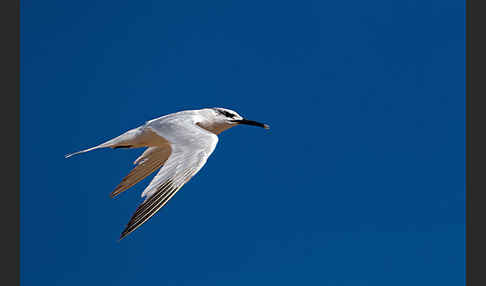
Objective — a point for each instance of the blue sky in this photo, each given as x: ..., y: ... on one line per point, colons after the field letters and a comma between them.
x: 359, y: 181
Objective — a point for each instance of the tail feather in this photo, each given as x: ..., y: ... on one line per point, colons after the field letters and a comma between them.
x: 134, y: 138
x: 84, y: 151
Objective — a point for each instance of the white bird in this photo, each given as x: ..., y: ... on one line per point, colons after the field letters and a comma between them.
x: 178, y: 143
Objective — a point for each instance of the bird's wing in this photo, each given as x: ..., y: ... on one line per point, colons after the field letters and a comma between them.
x: 191, y: 146
x: 152, y: 159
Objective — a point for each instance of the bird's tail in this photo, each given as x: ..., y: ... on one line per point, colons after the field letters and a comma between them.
x: 131, y: 139
x: 85, y: 150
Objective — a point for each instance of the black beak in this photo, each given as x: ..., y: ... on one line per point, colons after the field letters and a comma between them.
x: 251, y: 122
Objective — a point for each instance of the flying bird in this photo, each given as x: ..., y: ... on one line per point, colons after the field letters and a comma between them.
x: 179, y: 144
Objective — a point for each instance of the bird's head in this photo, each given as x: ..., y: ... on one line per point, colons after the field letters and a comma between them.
x: 220, y: 119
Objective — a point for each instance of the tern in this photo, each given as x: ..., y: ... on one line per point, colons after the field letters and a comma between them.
x: 179, y: 144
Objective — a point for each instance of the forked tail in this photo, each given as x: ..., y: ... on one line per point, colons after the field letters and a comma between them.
x: 134, y: 138
x: 104, y: 145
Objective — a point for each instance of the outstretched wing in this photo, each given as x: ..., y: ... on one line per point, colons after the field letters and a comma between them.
x: 152, y: 159
x: 191, y: 146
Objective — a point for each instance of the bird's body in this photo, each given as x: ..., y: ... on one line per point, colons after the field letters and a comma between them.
x: 179, y: 144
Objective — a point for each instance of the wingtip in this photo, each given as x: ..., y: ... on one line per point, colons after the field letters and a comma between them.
x: 117, y: 191
x: 113, y: 195
x: 123, y: 235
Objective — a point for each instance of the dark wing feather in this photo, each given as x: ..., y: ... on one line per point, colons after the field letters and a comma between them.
x: 155, y: 202
x: 149, y: 207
